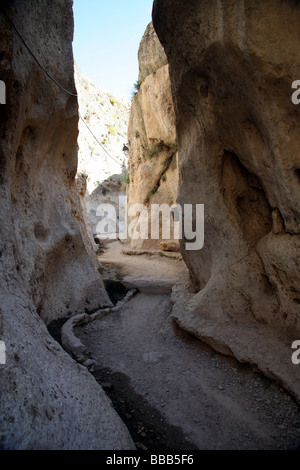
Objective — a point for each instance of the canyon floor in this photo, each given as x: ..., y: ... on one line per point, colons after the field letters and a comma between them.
x: 172, y: 391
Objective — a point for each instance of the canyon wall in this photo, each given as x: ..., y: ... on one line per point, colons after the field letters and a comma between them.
x: 152, y: 138
x: 48, y: 267
x: 102, y: 152
x: 107, y: 117
x: 232, y: 64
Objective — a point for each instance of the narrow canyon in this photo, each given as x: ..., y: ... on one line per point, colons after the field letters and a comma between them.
x: 143, y: 341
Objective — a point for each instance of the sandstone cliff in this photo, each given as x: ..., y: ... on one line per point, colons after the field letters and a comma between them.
x: 232, y: 64
x: 48, y: 268
x: 152, y: 136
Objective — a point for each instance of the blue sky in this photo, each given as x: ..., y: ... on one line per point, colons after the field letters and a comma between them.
x: 106, y: 40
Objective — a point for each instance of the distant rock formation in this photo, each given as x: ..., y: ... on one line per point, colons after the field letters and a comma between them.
x: 102, y: 149
x: 152, y: 136
x: 48, y: 268
x: 232, y: 64
x: 107, y: 117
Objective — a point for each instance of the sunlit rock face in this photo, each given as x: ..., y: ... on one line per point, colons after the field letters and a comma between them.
x: 152, y: 139
x: 48, y: 268
x: 232, y: 64
x: 151, y: 54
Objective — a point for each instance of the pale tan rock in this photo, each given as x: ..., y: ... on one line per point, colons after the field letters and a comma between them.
x: 232, y: 65
x: 151, y: 127
x: 151, y: 54
x: 48, y: 267
x: 152, y: 138
x: 278, y: 224
x: 107, y: 118
x: 169, y: 246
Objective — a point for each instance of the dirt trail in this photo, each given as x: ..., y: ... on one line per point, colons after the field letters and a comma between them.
x: 172, y: 391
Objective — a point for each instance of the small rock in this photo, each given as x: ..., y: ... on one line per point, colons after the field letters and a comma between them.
x: 140, y: 446
x: 281, y: 426
x: 106, y: 385
x: 89, y: 363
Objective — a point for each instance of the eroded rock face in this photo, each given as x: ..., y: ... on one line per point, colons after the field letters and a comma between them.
x: 152, y: 137
x: 232, y: 65
x: 45, y: 232
x: 107, y: 117
x: 151, y: 54
x: 48, y: 268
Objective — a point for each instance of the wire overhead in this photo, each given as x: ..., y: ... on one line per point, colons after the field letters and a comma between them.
x: 103, y: 148
x: 75, y: 95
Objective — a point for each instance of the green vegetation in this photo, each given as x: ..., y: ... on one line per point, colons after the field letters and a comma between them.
x: 112, y: 101
x: 87, y: 113
x: 160, y: 147
x: 112, y: 130
x: 137, y: 85
x: 92, y: 149
x: 124, y: 181
x: 162, y: 177
x: 154, y: 151
x: 152, y: 192
x: 173, y: 146
x: 137, y: 134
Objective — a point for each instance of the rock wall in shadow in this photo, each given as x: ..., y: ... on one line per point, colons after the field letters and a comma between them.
x: 232, y: 64
x: 48, y: 267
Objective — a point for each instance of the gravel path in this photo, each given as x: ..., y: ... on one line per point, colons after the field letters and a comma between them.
x: 176, y: 393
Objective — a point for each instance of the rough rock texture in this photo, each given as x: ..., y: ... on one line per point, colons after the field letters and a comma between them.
x: 112, y: 192
x: 232, y: 64
x: 47, y: 401
x: 151, y: 54
x: 107, y: 116
x: 44, y: 235
x: 102, y: 169
x: 152, y: 137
